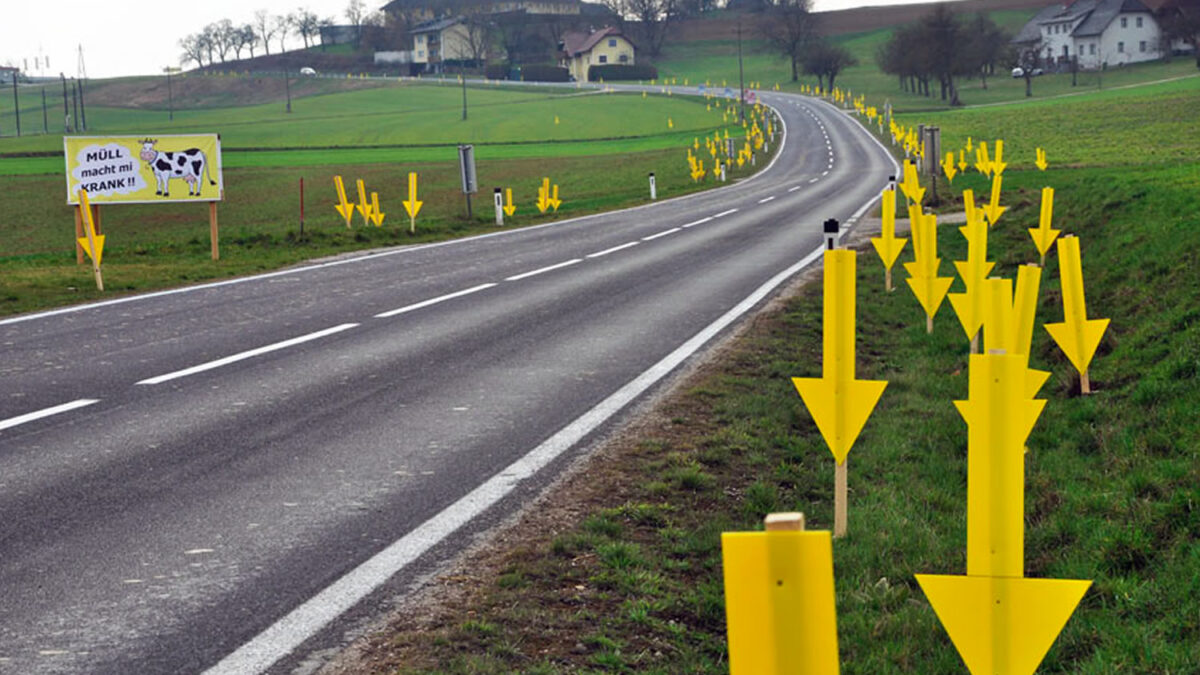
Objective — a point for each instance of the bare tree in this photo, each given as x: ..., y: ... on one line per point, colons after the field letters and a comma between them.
x: 308, y: 25
x: 355, y: 12
x: 790, y: 27
x: 193, y: 50
x: 265, y: 28
x: 248, y: 38
x: 652, y: 17
x: 826, y: 60
x: 283, y: 25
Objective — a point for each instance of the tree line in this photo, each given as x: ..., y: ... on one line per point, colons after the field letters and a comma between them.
x: 794, y: 32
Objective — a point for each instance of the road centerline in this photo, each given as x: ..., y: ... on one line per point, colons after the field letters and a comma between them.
x: 434, y: 301
x: 664, y: 233
x: 543, y: 270
x: 725, y: 213
x: 46, y: 412
x: 614, y: 249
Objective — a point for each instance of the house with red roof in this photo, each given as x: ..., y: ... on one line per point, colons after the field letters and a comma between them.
x: 580, y: 51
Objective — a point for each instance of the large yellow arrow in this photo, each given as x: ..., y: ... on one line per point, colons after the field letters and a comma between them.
x: 1077, y: 335
x: 973, y: 271
x: 698, y: 170
x: 924, y: 281
x: 92, y: 243
x: 993, y: 210
x: 377, y: 216
x: 543, y: 200
x: 888, y: 245
x: 343, y: 206
x: 998, y: 164
x: 412, y: 205
x: 948, y: 167
x: 1043, y: 236
x: 1000, y: 622
x: 1040, y: 162
x: 912, y: 185
x: 982, y: 164
x: 555, y: 202
x: 363, y: 206
x: 779, y: 602
x: 509, y: 207
x: 839, y: 403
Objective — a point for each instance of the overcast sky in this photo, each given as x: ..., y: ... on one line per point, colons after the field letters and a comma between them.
x: 141, y: 37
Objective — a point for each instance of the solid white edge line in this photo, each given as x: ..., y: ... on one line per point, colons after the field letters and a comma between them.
x: 764, y: 200
x: 47, y: 412
x: 433, y: 301
x: 551, y: 268
x: 725, y: 213
x: 289, y: 632
x: 664, y: 233
x: 696, y: 222
x: 242, y: 356
x: 614, y: 249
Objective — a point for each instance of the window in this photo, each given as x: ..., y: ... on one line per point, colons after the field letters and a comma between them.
x: 603, y: 58
x: 612, y: 42
x: 1139, y: 22
x: 1142, y: 46
x: 1120, y: 47
x: 421, y: 54
x: 624, y: 58
x: 1124, y: 22
x: 1092, y: 49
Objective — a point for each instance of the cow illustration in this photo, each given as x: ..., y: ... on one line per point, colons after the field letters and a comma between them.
x: 189, y: 165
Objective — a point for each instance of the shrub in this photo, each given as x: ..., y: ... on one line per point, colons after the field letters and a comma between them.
x: 496, y: 71
x: 613, y: 72
x: 544, y: 74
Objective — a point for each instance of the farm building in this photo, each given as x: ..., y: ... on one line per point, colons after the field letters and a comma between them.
x: 1099, y: 33
x: 580, y: 51
x: 424, y: 10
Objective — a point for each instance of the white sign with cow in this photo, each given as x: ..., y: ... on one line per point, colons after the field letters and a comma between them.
x: 142, y: 170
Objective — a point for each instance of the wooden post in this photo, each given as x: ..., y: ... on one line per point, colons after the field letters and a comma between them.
x: 839, y: 499
x: 89, y: 230
x: 78, y: 234
x: 1085, y: 383
x: 96, y: 224
x: 792, y: 521
x: 887, y: 278
x: 212, y: 230
x: 929, y: 324
x: 975, y: 343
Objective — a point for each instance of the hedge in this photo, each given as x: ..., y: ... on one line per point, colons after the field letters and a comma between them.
x: 613, y: 72
x: 544, y: 74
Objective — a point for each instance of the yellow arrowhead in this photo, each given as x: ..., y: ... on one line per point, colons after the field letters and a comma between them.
x: 948, y: 167
x: 376, y: 215
x: 412, y: 205
x: 1077, y: 336
x: 1043, y: 236
x: 930, y: 291
x: 888, y: 245
x: 779, y: 602
x: 96, y: 255
x: 1002, y: 626
x: 509, y: 207
x: 1040, y: 162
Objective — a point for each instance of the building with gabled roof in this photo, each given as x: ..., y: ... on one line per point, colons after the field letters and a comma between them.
x: 1099, y: 33
x: 580, y: 51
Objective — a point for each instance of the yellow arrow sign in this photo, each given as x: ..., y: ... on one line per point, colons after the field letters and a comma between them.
x: 982, y: 163
x: 698, y: 170
x: 1043, y: 236
x: 779, y: 602
x: 962, y: 160
x: 543, y: 200
x: 998, y: 164
x: 92, y: 243
x: 555, y: 202
x: 948, y: 167
x: 1000, y: 622
x: 509, y: 207
x: 924, y: 281
x: 412, y: 205
x: 343, y: 206
x: 973, y: 271
x: 888, y: 245
x: 912, y: 185
x: 363, y: 206
x: 1077, y: 335
x: 839, y: 403
x: 1040, y: 162
x: 377, y: 216
x: 993, y: 210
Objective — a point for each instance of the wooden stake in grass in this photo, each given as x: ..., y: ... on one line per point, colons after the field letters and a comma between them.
x: 92, y: 243
x: 840, y: 491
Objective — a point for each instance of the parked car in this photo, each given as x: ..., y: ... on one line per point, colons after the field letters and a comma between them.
x: 308, y: 71
x: 1018, y: 72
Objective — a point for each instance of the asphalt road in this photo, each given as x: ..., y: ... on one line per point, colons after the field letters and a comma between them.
x: 223, y: 479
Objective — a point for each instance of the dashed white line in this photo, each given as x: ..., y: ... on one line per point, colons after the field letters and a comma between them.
x: 30, y: 417
x: 249, y: 354
x: 696, y: 222
x: 825, y: 173
x: 551, y: 268
x: 764, y: 200
x: 614, y: 249
x: 664, y: 233
x: 814, y: 180
x: 433, y: 301
x: 793, y: 188
x: 725, y: 213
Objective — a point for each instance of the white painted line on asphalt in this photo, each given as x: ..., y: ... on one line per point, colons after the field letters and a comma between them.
x: 793, y: 188
x: 725, y: 213
x: 664, y: 233
x: 551, y: 268
x: 40, y: 414
x: 614, y: 249
x: 249, y: 354
x: 813, y: 180
x: 764, y: 200
x: 696, y: 222
x: 824, y: 173
x: 433, y: 301
x: 285, y: 635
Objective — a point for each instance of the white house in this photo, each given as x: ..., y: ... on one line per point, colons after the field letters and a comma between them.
x: 580, y: 51
x: 1099, y: 33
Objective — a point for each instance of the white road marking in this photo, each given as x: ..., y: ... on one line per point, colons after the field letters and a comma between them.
x: 248, y: 354
x: 551, y: 268
x: 813, y: 181
x: 725, y: 213
x: 793, y: 188
x: 614, y: 249
x: 434, y: 301
x: 29, y: 417
x: 289, y: 632
x: 696, y: 222
x: 664, y: 233
x: 764, y: 200
x: 824, y: 173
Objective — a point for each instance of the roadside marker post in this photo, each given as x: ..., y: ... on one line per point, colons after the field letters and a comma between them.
x: 780, y: 601
x: 302, y: 206
x: 498, y: 200
x: 653, y: 190
x: 1077, y: 336
x: 838, y: 402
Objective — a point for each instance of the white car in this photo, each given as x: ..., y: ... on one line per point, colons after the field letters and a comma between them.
x: 1018, y: 72
x: 308, y: 71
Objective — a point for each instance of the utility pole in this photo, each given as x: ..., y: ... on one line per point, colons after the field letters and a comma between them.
x: 287, y: 85
x: 45, y: 116
x: 82, y: 107
x: 741, y: 74
x: 66, y: 109
x: 462, y: 75
x: 16, y: 104
x: 170, y: 95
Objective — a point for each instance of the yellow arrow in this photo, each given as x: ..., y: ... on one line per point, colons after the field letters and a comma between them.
x: 969, y: 148
x: 1000, y: 622
x: 92, y: 243
x: 343, y: 206
x: 412, y: 205
x: 962, y: 160
x: 509, y: 207
x: 377, y: 216
x: 993, y: 210
x: 779, y: 602
x: 363, y: 206
x: 924, y: 281
x: 888, y: 245
x: 1077, y: 335
x: 948, y: 167
x: 998, y: 164
x: 1043, y: 236
x: 698, y: 170
x: 555, y: 202
x: 969, y: 306
x: 1040, y: 162
x: 543, y: 200
x: 670, y: 123
x: 982, y: 164
x: 839, y: 403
